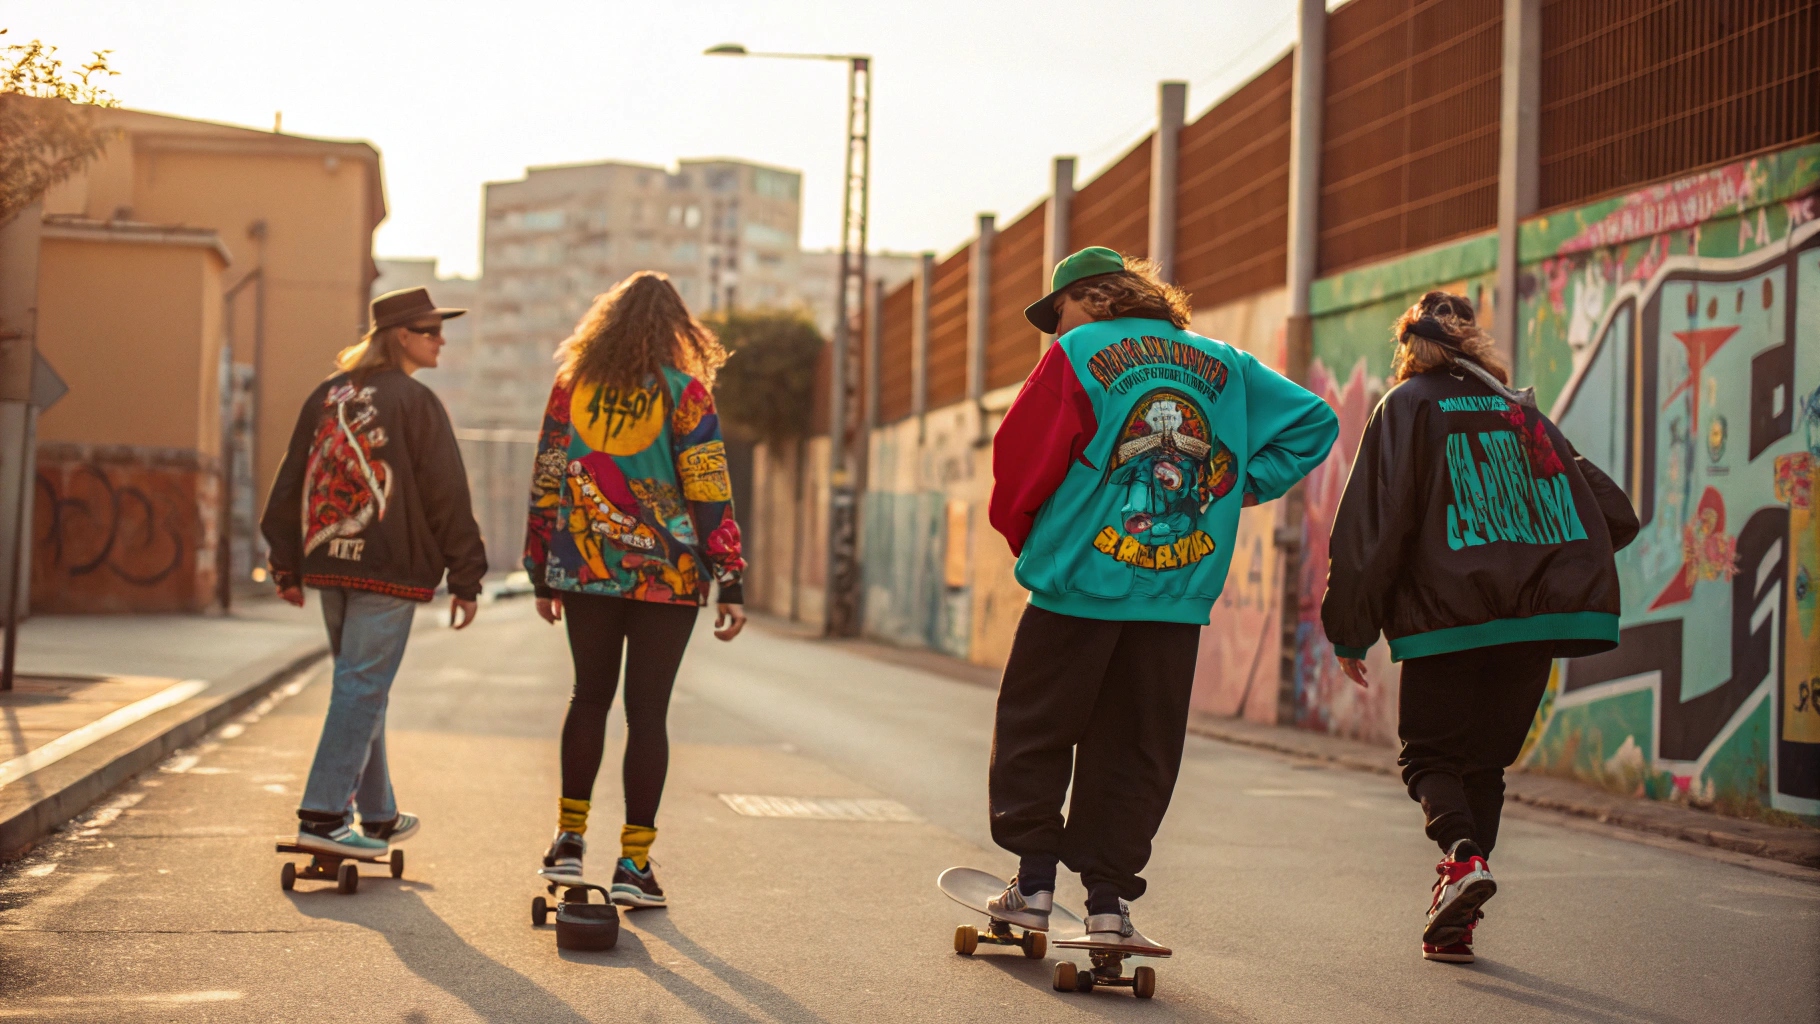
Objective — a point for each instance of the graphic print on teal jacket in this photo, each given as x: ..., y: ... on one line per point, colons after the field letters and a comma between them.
x: 630, y: 495
x: 1119, y: 470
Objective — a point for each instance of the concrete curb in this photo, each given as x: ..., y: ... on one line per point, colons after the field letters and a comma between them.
x: 1563, y: 796
x: 39, y: 803
x: 1797, y: 846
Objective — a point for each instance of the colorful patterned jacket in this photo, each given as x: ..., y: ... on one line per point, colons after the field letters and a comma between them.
x: 630, y: 496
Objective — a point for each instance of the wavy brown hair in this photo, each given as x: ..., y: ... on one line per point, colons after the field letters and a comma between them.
x: 1452, y: 317
x: 1139, y: 290
x: 632, y: 331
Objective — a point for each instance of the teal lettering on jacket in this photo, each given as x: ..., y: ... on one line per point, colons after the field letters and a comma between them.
x: 1474, y: 403
x: 1500, y: 498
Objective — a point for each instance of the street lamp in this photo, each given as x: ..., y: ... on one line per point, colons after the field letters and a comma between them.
x: 844, y: 432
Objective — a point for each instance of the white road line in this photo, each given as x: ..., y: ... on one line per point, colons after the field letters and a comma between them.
x: 101, y: 728
x: 36, y: 1007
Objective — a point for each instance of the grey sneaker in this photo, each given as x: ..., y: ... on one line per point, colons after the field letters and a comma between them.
x: 562, y: 864
x: 1013, y: 907
x: 338, y: 840
x: 397, y: 830
x: 1111, y: 928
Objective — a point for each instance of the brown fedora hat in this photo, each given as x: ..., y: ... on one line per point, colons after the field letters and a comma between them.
x: 405, y: 305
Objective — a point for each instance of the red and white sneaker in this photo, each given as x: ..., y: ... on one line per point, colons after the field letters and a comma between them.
x: 1454, y: 953
x: 1462, y: 888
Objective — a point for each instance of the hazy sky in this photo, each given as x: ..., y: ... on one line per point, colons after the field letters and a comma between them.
x: 973, y: 97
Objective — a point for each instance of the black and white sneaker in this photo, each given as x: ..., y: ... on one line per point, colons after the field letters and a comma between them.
x: 562, y: 864
x: 1013, y: 907
x: 635, y: 888
x: 397, y: 830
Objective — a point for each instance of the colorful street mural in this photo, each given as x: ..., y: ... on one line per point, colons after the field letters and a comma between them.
x: 1676, y: 332
x: 1240, y: 662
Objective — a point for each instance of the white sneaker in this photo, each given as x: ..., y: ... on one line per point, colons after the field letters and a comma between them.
x: 342, y: 841
x: 1461, y: 888
x: 1013, y: 907
x: 1111, y: 928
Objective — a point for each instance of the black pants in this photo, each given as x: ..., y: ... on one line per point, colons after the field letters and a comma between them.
x: 1105, y: 703
x: 1462, y: 718
x: 653, y: 637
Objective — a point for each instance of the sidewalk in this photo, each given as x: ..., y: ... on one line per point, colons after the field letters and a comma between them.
x: 99, y: 698
x: 1735, y: 836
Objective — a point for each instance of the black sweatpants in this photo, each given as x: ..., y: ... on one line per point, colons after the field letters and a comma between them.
x: 653, y: 637
x: 1105, y: 703
x: 1462, y: 718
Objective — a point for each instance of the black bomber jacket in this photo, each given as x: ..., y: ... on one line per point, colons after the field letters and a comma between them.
x: 372, y: 494
x: 1469, y: 521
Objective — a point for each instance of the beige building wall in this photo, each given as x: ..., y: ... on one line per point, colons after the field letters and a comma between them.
x: 319, y: 202
x: 134, y: 329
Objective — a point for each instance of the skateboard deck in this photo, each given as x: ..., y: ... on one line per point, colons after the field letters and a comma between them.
x: 288, y: 844
x: 1136, y: 945
x: 972, y: 888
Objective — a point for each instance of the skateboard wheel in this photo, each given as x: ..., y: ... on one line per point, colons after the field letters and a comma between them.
x: 348, y: 878
x: 1143, y: 982
x: 1064, y: 976
x: 1035, y: 945
x: 540, y: 912
x: 966, y: 939
x: 287, y: 876
x: 397, y: 863
x: 1083, y: 981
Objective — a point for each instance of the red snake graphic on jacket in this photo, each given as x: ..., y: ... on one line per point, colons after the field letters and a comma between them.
x: 346, y: 487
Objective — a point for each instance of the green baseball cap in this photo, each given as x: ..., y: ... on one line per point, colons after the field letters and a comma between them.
x: 1089, y: 262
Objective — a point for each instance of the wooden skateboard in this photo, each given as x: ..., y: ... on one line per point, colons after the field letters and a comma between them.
x: 1108, y: 965
x: 331, y: 867
x: 972, y: 889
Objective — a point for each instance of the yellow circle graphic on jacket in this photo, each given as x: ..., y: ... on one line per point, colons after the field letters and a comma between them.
x: 617, y: 421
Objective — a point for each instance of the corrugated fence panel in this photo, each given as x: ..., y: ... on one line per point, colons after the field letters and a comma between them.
x: 948, y: 330
x: 1114, y: 209
x: 1017, y: 281
x: 897, y: 322
x: 1638, y: 90
x: 1410, y: 132
x: 1232, y: 202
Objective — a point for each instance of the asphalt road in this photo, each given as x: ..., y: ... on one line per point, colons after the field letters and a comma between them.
x: 1289, y: 892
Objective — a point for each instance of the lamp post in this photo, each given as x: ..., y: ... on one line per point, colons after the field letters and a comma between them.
x: 845, y: 435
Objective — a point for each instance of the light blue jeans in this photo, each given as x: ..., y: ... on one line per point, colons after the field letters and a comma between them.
x: 367, y: 633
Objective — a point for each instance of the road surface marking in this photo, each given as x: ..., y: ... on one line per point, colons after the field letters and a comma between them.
x: 35, y: 1007
x: 101, y: 728
x: 818, y: 808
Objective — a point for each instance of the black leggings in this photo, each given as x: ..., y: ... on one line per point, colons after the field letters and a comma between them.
x: 599, y: 629
x: 1463, y: 718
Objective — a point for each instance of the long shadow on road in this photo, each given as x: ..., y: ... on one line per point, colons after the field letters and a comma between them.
x: 1563, y: 1001
x: 630, y: 954
x: 433, y: 951
x: 771, y: 999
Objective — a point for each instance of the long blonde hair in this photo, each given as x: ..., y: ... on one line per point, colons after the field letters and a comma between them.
x: 633, y: 330
x: 1438, y: 329
x: 376, y: 350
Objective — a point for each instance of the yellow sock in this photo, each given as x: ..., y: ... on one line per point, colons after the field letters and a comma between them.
x: 635, y: 844
x: 572, y: 815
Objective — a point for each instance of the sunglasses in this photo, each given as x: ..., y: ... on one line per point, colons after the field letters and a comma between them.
x: 434, y: 330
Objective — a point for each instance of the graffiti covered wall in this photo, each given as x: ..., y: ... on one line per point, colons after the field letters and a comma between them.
x: 120, y: 528
x: 1676, y: 334
x: 1236, y: 673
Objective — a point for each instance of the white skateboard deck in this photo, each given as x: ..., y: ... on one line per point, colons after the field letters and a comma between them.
x: 972, y: 888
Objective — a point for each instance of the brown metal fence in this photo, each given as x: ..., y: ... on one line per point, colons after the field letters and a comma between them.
x: 1017, y: 280
x: 948, y: 330
x: 897, y: 321
x: 1232, y: 203
x: 1638, y: 90
x: 1113, y: 210
x: 1410, y: 129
